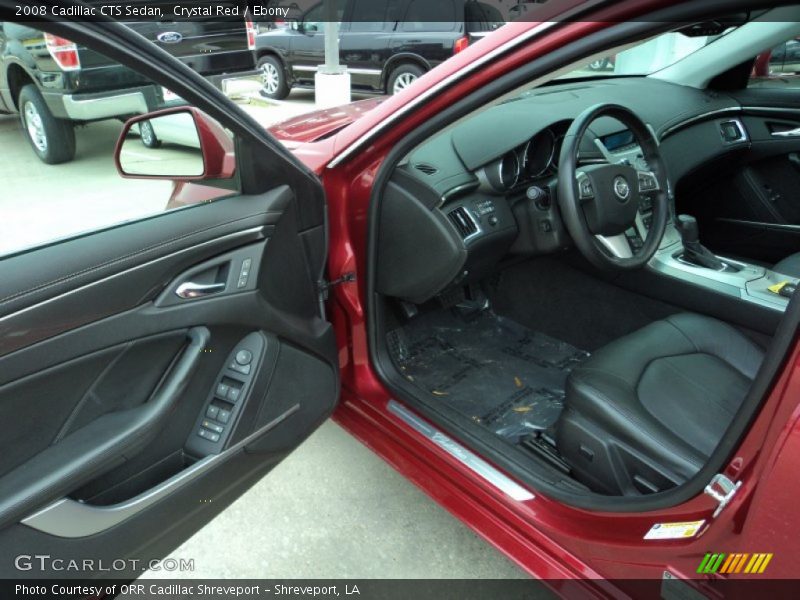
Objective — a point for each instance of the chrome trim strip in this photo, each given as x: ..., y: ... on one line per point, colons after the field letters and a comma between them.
x: 779, y: 226
x: 101, y: 108
x: 733, y: 109
x: 464, y: 456
x: 789, y: 133
x: 713, y: 113
x: 617, y: 245
x: 770, y: 109
x: 423, y: 97
x: 364, y: 71
x: 69, y: 518
x: 243, y: 233
x: 355, y: 71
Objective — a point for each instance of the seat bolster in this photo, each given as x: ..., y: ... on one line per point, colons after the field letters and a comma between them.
x: 710, y: 336
x: 638, y: 396
x: 610, y: 402
x: 628, y: 357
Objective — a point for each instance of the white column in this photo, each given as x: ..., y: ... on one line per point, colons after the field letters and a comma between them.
x: 332, y: 81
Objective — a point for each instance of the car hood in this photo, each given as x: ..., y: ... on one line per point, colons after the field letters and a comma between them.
x: 319, y: 124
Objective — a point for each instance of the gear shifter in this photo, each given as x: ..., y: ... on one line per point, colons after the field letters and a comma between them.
x: 693, y: 251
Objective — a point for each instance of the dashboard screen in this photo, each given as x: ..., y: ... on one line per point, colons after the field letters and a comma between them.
x: 618, y: 140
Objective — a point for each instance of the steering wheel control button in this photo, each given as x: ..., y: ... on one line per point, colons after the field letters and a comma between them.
x: 244, y: 357
x: 647, y: 182
x: 586, y: 190
x: 212, y: 412
x: 208, y: 435
x: 244, y: 272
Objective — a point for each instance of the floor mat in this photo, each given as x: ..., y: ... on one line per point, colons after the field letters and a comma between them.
x: 551, y: 296
x: 491, y: 369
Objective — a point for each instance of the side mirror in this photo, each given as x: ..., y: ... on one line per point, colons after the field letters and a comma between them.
x: 178, y: 144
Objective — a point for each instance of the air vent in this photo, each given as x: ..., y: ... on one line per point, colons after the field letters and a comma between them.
x: 463, y: 221
x: 426, y: 168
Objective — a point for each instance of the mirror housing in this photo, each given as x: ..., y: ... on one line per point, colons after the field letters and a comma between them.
x: 215, y: 145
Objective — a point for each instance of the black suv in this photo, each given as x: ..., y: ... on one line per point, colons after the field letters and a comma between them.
x: 54, y: 83
x: 385, y: 44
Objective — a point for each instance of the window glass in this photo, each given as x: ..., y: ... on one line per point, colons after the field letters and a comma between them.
x: 57, y: 169
x: 314, y: 19
x: 647, y: 57
x: 369, y: 15
x: 482, y: 17
x: 424, y: 15
x: 778, y: 67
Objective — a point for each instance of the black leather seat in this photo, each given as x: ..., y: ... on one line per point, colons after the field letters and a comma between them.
x: 789, y: 266
x: 644, y: 413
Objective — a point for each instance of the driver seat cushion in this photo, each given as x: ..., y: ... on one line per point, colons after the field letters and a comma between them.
x: 645, y: 412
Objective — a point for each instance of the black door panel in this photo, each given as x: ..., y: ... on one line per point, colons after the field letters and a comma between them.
x: 750, y: 207
x: 102, y: 444
x: 116, y: 378
x: 148, y: 252
x: 111, y: 365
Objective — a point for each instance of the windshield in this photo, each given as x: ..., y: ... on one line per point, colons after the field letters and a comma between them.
x: 647, y: 57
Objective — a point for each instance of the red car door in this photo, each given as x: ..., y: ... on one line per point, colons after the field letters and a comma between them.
x: 153, y: 369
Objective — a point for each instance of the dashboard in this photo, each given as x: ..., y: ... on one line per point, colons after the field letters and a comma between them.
x: 490, y: 181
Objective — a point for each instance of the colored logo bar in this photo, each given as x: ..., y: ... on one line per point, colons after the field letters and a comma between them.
x: 720, y: 562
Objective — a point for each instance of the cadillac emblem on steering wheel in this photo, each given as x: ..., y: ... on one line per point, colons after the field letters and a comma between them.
x: 621, y: 188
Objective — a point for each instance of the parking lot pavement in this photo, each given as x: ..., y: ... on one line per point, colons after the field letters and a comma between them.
x: 41, y: 203
x: 333, y: 509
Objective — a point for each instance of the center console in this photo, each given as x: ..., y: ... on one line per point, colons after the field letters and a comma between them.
x: 734, y: 278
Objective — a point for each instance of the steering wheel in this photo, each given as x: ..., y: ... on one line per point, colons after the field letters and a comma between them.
x: 600, y: 203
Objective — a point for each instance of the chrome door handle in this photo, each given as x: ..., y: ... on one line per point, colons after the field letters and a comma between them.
x: 188, y: 290
x: 787, y: 133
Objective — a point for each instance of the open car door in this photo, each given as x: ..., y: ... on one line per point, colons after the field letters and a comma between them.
x: 154, y: 370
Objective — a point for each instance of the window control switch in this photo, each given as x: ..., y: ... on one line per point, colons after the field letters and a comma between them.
x: 211, y: 425
x: 228, y: 394
x: 208, y: 435
x: 233, y: 393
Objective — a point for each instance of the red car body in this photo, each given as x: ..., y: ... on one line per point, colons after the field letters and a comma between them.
x: 346, y: 146
x: 545, y: 537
